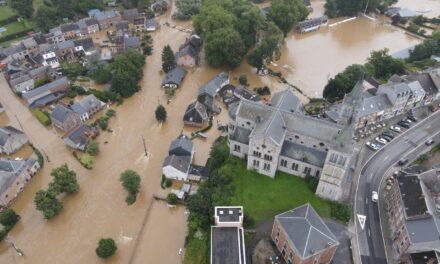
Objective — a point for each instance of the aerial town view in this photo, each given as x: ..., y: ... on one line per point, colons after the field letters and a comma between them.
x: 220, y: 131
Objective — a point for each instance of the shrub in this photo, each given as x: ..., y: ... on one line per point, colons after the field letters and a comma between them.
x: 312, y: 182
x: 103, y: 122
x: 172, y: 198
x: 340, y: 211
x: 262, y: 90
x: 168, y: 183
x: 42, y: 117
x: 161, y: 113
x: 111, y: 113
x: 106, y: 248
x: 243, y: 80
x: 93, y: 148
x: 131, y: 181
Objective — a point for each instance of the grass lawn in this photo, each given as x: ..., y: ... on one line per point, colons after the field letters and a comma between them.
x: 38, y: 4
x: 6, y: 12
x: 263, y: 197
x: 14, y: 27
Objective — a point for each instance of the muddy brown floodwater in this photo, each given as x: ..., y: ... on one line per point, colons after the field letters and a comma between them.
x: 148, y: 231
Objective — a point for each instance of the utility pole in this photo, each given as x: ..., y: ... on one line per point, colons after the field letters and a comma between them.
x: 12, y: 245
x: 145, y: 146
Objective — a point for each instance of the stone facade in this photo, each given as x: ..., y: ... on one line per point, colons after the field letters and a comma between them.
x: 280, y: 136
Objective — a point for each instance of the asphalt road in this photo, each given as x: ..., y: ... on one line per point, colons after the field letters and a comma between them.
x: 408, y: 144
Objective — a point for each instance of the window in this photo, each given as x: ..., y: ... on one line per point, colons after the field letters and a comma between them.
x: 256, y: 163
x: 267, y: 166
x: 268, y: 157
x: 283, y: 163
x: 237, y: 148
x: 257, y: 154
x: 307, y: 170
x: 296, y: 137
x: 317, y: 173
x: 294, y: 166
x: 277, y: 236
x: 289, y: 260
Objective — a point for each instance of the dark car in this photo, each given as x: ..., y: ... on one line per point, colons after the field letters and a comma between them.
x: 403, y: 124
x: 403, y: 161
x: 412, y: 118
x: 387, y: 138
x: 388, y: 134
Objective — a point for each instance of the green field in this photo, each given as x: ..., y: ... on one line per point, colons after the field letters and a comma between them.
x: 15, y: 27
x: 6, y: 12
x: 263, y: 197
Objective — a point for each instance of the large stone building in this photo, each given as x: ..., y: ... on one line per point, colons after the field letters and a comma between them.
x: 280, y: 136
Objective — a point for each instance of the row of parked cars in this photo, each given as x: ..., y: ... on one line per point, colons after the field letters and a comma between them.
x: 387, y: 136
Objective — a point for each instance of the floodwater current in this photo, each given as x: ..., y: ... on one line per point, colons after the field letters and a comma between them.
x: 149, y: 231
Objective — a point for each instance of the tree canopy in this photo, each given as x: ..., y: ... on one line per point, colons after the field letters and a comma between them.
x: 229, y: 29
x: 343, y: 82
x: 131, y: 181
x: 161, y: 113
x: 426, y: 49
x: 168, y: 59
x: 127, y: 70
x: 8, y: 217
x: 381, y: 65
x: 106, y: 248
x: 286, y: 13
x: 23, y: 7
x: 187, y: 8
x: 47, y: 202
x: 64, y: 180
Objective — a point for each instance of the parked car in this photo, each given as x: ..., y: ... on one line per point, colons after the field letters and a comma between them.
x: 381, y: 140
x: 407, y: 120
x: 372, y: 146
x: 404, y: 124
x: 374, y: 196
x: 388, y: 134
x: 403, y: 161
x: 396, y: 129
x: 412, y: 118
x: 429, y: 142
x: 388, y: 139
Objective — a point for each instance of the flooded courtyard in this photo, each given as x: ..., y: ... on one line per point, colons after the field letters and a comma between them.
x: 149, y: 231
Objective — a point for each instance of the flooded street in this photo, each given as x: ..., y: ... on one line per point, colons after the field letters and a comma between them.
x: 149, y: 231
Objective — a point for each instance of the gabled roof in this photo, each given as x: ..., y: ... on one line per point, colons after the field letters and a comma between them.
x: 86, y: 43
x: 47, y: 87
x: 213, y: 86
x: 122, y: 25
x: 196, y: 112
x: 175, y: 76
x: 151, y: 23
x: 61, y: 113
x: 69, y: 27
x: 10, y: 170
x: 29, y: 42
x: 80, y: 136
x: 6, y: 132
x: 68, y: 44
x: 131, y: 42
x: 286, y: 100
x: 306, y: 230
x: 181, y: 146
x: 177, y: 162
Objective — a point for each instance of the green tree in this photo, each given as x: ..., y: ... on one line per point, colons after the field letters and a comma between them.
x: 172, y: 199
x: 212, y: 17
x: 187, y: 8
x: 336, y: 8
x: 168, y: 60
x: 23, y: 7
x: 103, y: 122
x: 268, y: 49
x: 243, y: 79
x: 286, y: 13
x: 73, y: 70
x: 93, y: 148
x: 127, y: 70
x: 343, y: 82
x: 248, y: 22
x: 8, y: 217
x: 106, y: 248
x: 381, y: 65
x: 64, y: 180
x: 111, y: 113
x: 161, y: 113
x: 47, y: 202
x: 426, y: 49
x: 131, y: 181
x: 224, y: 47
x: 46, y: 18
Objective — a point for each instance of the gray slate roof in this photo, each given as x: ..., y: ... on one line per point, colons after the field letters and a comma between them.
x: 10, y: 170
x: 47, y: 87
x: 213, y: 86
x: 306, y: 230
x: 6, y: 132
x: 175, y: 76
x: 177, y: 162
x: 374, y: 104
x: 196, y: 113
x: 61, y: 113
x: 151, y: 23
x: 301, y: 153
x: 80, y: 136
x: 181, y: 146
x: 86, y: 104
x: 286, y: 100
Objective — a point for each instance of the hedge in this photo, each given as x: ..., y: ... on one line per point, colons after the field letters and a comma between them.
x: 15, y: 35
x: 42, y: 117
x: 8, y: 20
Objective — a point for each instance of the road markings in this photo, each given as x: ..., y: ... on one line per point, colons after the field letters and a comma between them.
x: 362, y: 219
x: 369, y: 233
x: 386, y: 157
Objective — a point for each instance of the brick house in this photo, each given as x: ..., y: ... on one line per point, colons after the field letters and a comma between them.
x: 64, y: 118
x: 302, y: 237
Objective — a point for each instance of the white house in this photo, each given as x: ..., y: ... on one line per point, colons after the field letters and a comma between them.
x: 176, y: 168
